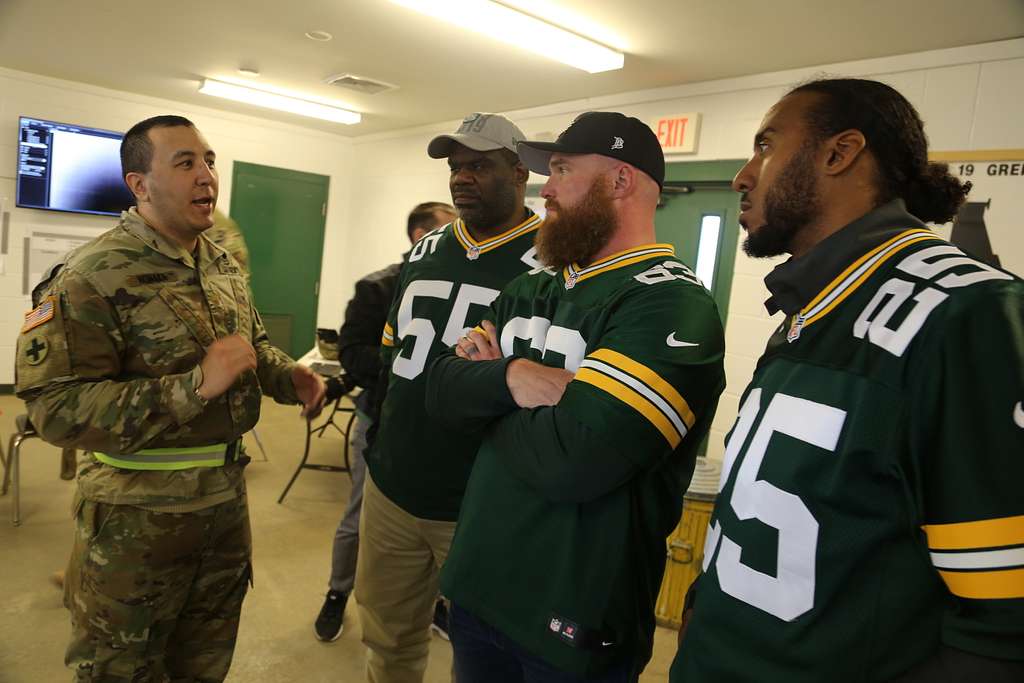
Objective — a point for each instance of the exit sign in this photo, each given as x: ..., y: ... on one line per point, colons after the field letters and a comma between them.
x: 678, y: 134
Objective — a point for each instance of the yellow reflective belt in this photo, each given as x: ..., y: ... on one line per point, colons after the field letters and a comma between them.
x: 167, y: 458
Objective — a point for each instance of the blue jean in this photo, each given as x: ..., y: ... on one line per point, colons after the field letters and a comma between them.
x: 483, y: 654
x: 346, y: 539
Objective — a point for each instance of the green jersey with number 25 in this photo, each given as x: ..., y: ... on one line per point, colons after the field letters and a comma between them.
x: 870, y: 506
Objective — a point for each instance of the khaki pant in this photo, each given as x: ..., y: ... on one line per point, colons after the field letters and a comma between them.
x: 400, y: 558
x: 156, y: 596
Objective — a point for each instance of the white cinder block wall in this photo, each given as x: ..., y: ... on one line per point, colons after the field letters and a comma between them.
x: 970, y: 99
x: 233, y: 136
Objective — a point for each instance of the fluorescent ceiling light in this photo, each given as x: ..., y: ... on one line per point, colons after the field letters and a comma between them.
x: 270, y: 100
x: 515, y: 28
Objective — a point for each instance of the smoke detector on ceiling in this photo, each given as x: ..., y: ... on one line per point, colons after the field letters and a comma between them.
x: 367, y: 86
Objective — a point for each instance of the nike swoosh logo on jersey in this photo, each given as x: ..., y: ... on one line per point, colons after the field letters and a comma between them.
x: 672, y: 341
x: 1018, y: 415
x: 606, y: 643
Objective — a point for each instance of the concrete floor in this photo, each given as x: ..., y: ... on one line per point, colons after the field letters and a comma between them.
x: 292, y: 544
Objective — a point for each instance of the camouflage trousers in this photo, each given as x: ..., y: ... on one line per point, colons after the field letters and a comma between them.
x: 156, y: 596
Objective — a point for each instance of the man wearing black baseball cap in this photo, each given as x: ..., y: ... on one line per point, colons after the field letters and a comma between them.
x: 589, y: 217
x: 607, y: 133
x: 593, y: 382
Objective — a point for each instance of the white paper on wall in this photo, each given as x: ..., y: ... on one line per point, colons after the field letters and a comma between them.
x: 45, y: 250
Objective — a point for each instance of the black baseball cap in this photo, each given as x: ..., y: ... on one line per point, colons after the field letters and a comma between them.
x: 607, y: 133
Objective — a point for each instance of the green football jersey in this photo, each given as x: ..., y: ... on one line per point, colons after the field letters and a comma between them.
x: 446, y: 284
x: 870, y: 508
x: 561, y: 540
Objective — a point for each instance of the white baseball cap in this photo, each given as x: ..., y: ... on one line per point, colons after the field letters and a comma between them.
x: 482, y: 132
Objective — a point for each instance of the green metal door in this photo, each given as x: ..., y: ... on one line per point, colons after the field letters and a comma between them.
x: 697, y: 215
x: 282, y: 214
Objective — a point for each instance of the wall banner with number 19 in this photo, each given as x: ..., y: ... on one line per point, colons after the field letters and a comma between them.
x: 989, y: 225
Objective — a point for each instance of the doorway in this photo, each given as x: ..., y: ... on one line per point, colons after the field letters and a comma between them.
x: 697, y: 215
x: 282, y: 214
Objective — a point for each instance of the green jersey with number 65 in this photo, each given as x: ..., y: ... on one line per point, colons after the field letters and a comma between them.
x: 871, y: 504
x: 561, y: 540
x: 446, y: 284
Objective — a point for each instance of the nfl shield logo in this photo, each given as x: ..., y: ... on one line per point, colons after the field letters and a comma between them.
x: 794, y: 329
x: 556, y: 625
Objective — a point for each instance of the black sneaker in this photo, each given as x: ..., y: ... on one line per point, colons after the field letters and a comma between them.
x: 440, y: 624
x: 328, y: 624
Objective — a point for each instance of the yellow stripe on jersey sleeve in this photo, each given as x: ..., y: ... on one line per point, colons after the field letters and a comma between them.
x: 651, y: 379
x: 992, y: 585
x: 633, y: 399
x: 986, y: 533
x: 983, y: 551
x: 388, y: 337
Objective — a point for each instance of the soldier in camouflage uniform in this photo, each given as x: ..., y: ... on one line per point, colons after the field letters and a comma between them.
x: 225, y: 233
x: 146, y: 352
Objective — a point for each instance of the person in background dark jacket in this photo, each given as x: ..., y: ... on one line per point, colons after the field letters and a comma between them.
x: 359, y: 354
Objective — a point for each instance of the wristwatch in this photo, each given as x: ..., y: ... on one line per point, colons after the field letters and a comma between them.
x: 199, y: 396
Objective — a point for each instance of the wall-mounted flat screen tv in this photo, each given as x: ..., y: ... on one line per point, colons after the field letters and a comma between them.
x: 64, y: 167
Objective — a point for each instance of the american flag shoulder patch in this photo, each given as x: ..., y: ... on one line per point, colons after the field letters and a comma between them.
x: 39, y: 315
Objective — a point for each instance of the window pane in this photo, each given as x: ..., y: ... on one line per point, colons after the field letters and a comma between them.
x: 707, y: 249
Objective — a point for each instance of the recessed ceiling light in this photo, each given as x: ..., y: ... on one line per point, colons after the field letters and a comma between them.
x: 319, y: 36
x: 249, y: 71
x: 273, y: 100
x: 522, y: 30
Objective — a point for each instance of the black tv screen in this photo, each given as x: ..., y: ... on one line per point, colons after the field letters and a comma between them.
x: 64, y: 167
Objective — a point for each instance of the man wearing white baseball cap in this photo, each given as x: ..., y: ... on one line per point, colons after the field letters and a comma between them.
x: 418, y: 466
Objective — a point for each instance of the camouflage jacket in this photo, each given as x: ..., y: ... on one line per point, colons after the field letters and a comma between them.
x: 227, y: 235
x: 109, y: 361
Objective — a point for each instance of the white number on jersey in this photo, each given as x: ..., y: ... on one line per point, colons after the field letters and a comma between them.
x: 529, y: 257
x: 790, y: 592
x: 426, y: 245
x: 664, y: 272
x: 422, y: 330
x: 926, y: 265
x: 544, y: 337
